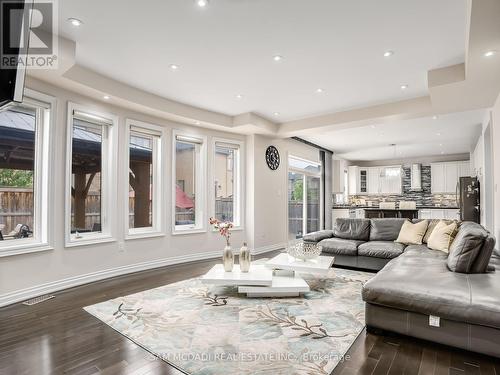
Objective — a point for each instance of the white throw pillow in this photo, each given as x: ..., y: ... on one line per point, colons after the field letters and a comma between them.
x: 442, y: 236
x: 412, y: 234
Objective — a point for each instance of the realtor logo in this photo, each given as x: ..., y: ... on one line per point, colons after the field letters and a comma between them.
x: 29, y: 34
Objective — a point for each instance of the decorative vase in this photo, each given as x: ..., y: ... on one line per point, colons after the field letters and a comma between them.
x: 228, y: 259
x: 245, y: 258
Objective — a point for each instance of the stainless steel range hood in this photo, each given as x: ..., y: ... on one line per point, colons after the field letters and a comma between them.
x: 416, y: 177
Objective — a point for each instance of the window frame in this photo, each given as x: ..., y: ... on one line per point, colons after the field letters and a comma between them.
x: 108, y: 179
x: 238, y: 183
x: 158, y: 206
x: 201, y: 184
x: 43, y: 207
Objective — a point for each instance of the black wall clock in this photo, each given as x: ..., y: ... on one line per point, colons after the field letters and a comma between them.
x: 272, y: 158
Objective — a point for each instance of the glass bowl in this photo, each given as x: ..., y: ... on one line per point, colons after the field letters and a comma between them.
x: 304, y: 250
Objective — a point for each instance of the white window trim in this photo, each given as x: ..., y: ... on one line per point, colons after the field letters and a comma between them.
x: 109, y: 181
x: 201, y: 185
x: 238, y: 181
x: 43, y: 195
x: 305, y: 174
x: 158, y: 228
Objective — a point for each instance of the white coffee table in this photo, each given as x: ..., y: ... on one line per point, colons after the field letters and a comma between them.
x: 278, y: 277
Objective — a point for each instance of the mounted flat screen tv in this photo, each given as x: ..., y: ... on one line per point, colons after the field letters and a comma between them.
x: 15, y: 22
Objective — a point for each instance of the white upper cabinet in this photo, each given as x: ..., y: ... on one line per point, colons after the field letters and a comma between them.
x: 445, y: 176
x: 373, y: 182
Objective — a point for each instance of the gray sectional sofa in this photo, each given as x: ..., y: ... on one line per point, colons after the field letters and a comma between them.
x: 450, y: 299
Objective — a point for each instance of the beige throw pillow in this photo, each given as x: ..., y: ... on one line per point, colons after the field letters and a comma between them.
x: 442, y: 236
x: 412, y: 234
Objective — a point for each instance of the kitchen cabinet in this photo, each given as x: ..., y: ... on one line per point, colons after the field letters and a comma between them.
x: 375, y: 180
x: 358, y: 178
x: 339, y: 213
x: 439, y: 213
x: 445, y: 176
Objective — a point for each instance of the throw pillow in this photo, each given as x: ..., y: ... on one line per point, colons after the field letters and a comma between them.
x: 442, y: 236
x: 466, y: 247
x: 412, y: 234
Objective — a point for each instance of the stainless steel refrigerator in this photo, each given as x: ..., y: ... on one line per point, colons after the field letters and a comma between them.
x: 468, y: 199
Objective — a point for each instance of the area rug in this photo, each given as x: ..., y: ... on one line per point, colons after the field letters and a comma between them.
x: 205, y: 330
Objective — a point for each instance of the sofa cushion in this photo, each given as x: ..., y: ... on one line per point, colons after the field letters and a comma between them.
x: 385, y: 229
x: 381, y: 249
x: 352, y: 229
x: 340, y: 246
x: 412, y: 233
x: 442, y: 236
x: 466, y: 247
x: 419, y: 281
x: 480, y: 265
x: 318, y: 236
x: 432, y: 225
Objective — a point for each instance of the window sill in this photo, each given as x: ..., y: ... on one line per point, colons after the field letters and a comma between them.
x: 139, y: 235
x: 85, y: 241
x: 233, y: 229
x: 177, y: 232
x: 26, y: 248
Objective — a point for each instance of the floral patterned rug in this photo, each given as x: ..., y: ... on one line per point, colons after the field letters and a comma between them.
x: 208, y: 330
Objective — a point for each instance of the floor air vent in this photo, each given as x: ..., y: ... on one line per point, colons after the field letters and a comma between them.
x: 37, y: 300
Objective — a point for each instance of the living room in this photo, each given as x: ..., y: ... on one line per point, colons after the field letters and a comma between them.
x: 222, y: 187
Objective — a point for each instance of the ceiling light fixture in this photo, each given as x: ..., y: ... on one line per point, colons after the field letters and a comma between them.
x: 404, y: 87
x: 106, y: 97
x: 75, y: 22
x: 388, y: 53
x: 435, y: 117
x: 438, y: 134
x: 320, y: 91
x: 277, y: 58
x: 173, y: 67
x: 373, y: 126
x: 442, y: 152
x: 197, y: 123
x: 202, y: 3
x: 276, y: 113
x: 239, y: 96
x: 490, y: 53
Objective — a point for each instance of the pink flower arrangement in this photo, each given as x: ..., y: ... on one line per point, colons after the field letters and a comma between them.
x: 224, y: 228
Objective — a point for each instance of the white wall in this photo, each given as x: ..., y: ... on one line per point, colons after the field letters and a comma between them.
x: 269, y: 218
x: 49, y: 270
x: 495, y: 128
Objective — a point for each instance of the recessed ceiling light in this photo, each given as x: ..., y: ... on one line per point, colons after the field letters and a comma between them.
x: 276, y: 113
x: 239, y: 96
x: 75, y: 22
x: 320, y: 90
x: 388, y: 53
x: 173, y: 67
x: 106, y: 97
x: 440, y: 145
x: 438, y: 134
x: 404, y: 87
x: 373, y: 126
x: 197, y: 123
x: 277, y: 57
x: 435, y: 117
x: 202, y: 3
x: 442, y: 152
x: 490, y: 53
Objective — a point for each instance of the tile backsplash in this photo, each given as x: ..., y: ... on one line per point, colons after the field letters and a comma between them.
x: 423, y: 197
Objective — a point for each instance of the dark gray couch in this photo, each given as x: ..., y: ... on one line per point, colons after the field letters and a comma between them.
x: 361, y: 243
x: 417, y: 283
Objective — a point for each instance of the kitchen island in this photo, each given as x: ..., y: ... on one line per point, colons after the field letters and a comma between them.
x: 383, y: 213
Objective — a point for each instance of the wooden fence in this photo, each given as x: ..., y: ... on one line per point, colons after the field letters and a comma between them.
x: 16, y: 207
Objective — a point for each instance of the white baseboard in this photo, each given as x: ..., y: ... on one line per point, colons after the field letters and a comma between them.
x: 70, y: 282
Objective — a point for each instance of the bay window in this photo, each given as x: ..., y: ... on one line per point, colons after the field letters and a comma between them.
x: 189, y: 183
x: 144, y: 173
x: 227, y: 181
x: 90, y: 177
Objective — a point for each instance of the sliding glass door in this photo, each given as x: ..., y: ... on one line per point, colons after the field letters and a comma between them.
x: 304, y: 197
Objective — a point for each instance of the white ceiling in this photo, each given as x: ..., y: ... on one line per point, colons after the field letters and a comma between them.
x: 415, y: 138
x: 227, y: 49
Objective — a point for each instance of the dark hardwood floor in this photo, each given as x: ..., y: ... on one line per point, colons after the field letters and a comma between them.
x: 59, y: 337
